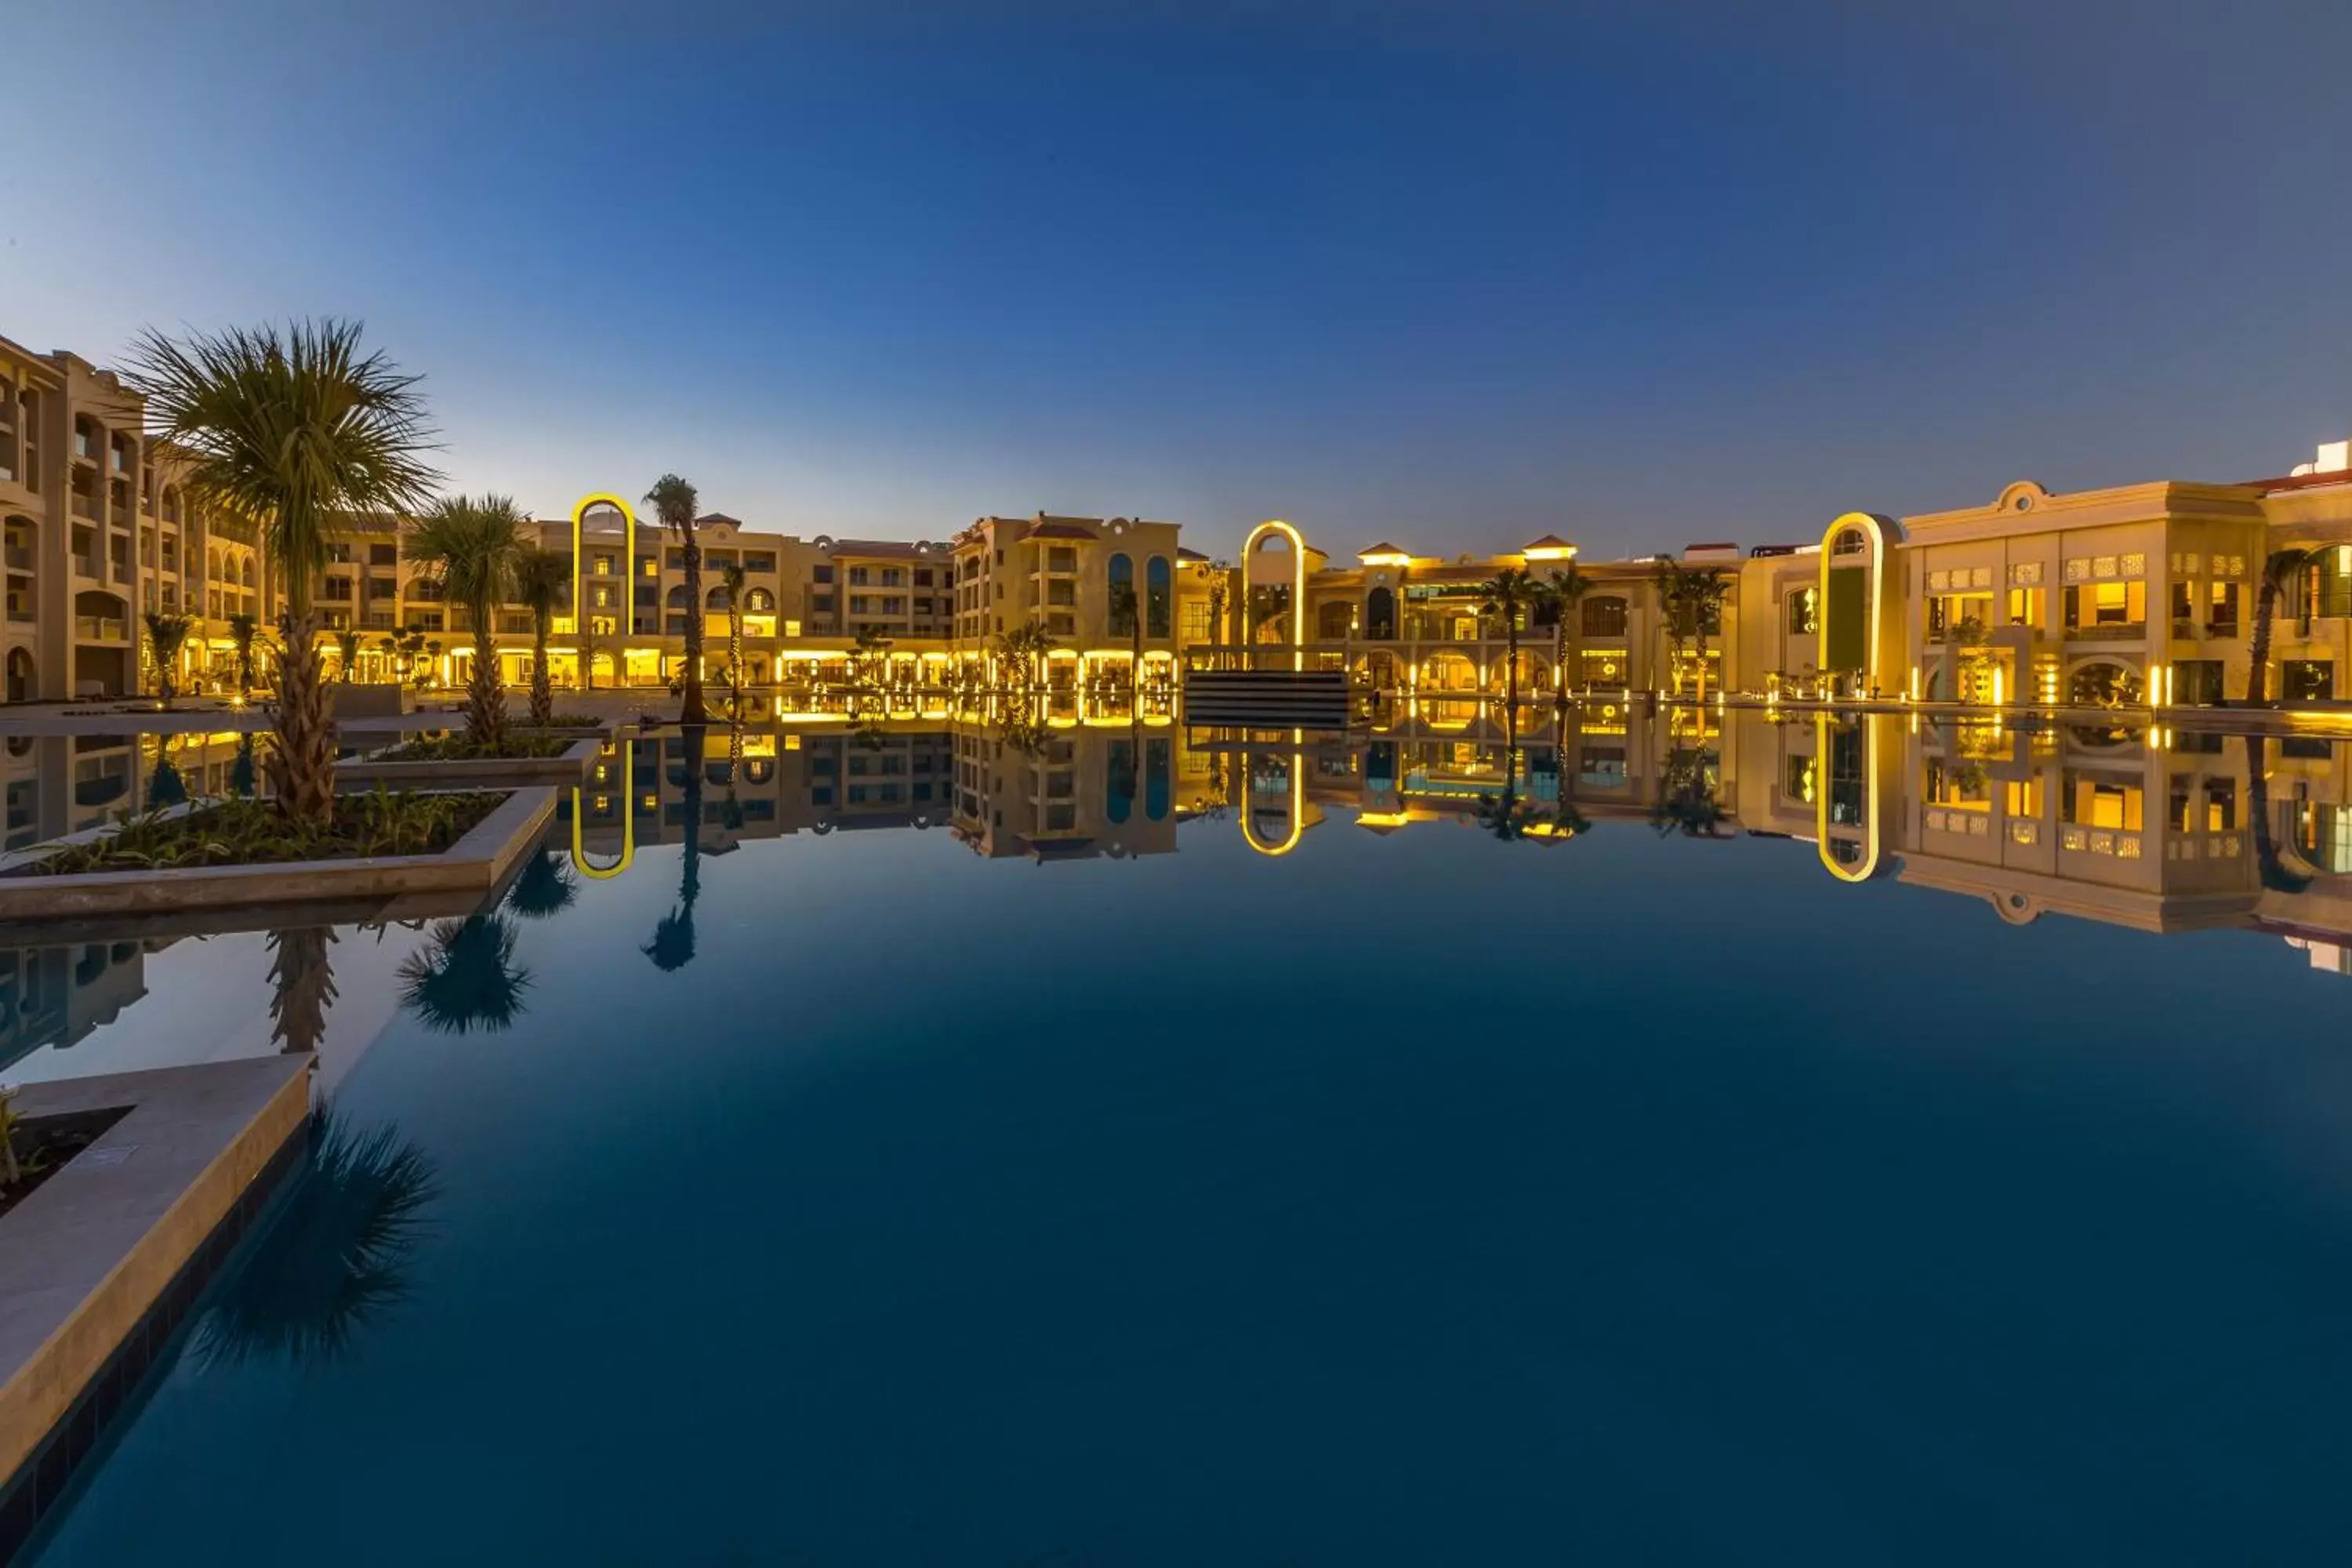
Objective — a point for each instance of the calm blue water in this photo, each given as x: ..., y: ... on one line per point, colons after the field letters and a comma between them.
x: 1409, y: 1198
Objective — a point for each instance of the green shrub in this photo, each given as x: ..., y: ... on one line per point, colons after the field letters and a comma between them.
x: 253, y: 833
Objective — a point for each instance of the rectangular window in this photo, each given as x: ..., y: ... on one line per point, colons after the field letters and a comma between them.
x: 1804, y: 612
x: 892, y: 577
x: 602, y: 564
x: 2220, y: 806
x: 860, y: 604
x: 2181, y: 802
x: 1604, y: 617
x: 825, y: 575
x: 822, y: 605
x: 2095, y: 802
x: 860, y: 578
x: 384, y: 554
x: 922, y: 576
x: 2184, y: 607
x: 2025, y: 606
x: 675, y: 559
x: 1061, y: 558
x: 2307, y: 680
x: 2221, y: 610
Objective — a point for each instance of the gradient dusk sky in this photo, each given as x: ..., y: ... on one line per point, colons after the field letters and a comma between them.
x: 1453, y: 276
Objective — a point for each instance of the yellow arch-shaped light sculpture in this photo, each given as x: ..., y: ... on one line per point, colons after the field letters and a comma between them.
x: 1821, y: 792
x: 1298, y: 807
x: 628, y: 819
x: 1297, y: 583
x: 1876, y: 529
x: 579, y: 596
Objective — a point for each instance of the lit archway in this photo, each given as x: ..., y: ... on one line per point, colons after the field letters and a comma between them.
x: 628, y: 820
x: 1298, y: 583
x: 1854, y: 556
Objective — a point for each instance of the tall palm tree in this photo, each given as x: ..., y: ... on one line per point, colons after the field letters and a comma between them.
x: 672, y: 947
x: 1568, y: 585
x: 1126, y: 616
x: 675, y: 504
x: 733, y: 577
x: 242, y: 630
x: 1506, y: 594
x: 301, y: 986
x: 1220, y: 593
x: 470, y: 547
x: 465, y: 978
x: 542, y: 581
x: 871, y: 664
x: 166, y: 635
x: 2279, y: 575
x: 293, y: 431
x: 333, y: 1258
x: 1690, y: 610
x: 2268, y: 865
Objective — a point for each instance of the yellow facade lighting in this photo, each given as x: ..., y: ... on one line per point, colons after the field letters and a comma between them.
x: 1297, y: 586
x: 628, y: 818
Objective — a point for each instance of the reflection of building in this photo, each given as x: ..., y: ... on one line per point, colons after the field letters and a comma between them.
x: 1049, y: 792
x: 57, y: 784
x: 57, y: 995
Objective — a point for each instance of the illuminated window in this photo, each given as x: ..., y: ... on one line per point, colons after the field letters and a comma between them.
x: 2025, y: 606
x: 1605, y: 616
x: 1804, y: 613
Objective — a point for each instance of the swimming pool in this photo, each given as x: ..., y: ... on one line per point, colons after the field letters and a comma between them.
x: 1758, y: 1141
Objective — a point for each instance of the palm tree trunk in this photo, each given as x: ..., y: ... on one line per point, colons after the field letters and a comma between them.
x: 735, y: 653
x: 486, y: 696
x: 542, y: 693
x: 2258, y: 652
x: 303, y: 765
x: 692, y: 712
x: 302, y: 987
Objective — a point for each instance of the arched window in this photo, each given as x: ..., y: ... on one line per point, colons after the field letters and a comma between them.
x: 1121, y: 577
x: 1380, y: 614
x: 716, y: 599
x: 759, y: 601
x: 1605, y: 616
x: 1118, y: 782
x: 677, y: 599
x: 212, y: 565
x: 1157, y: 598
x: 22, y: 685
x: 1331, y: 620
x: 247, y: 572
x: 1848, y: 542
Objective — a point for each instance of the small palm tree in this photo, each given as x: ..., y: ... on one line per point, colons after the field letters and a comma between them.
x: 347, y: 654
x: 674, y: 503
x: 470, y: 547
x: 542, y: 581
x: 733, y: 578
x: 166, y: 635
x: 871, y: 663
x: 2280, y: 573
x: 165, y: 786
x: 1506, y: 595
x: 242, y: 630
x: 465, y: 978
x: 294, y: 432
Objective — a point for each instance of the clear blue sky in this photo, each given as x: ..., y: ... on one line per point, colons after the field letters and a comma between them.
x: 1640, y: 275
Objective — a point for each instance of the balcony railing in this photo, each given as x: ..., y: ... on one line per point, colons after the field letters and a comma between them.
x: 101, y: 628
x: 2112, y: 631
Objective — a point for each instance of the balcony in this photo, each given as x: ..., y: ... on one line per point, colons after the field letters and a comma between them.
x: 2111, y: 631
x: 101, y: 628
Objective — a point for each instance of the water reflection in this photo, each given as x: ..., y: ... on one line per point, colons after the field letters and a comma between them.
x: 465, y: 978
x: 334, y: 1258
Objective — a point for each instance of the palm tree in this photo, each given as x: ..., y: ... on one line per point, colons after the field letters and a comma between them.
x: 672, y: 948
x: 1566, y: 586
x: 2279, y: 575
x: 465, y: 977
x: 675, y: 504
x: 1690, y: 610
x: 1506, y: 594
x: 1686, y: 801
x: 165, y: 786
x: 241, y: 632
x: 242, y: 771
x: 1221, y: 590
x: 471, y: 548
x: 166, y: 635
x: 347, y: 654
x: 333, y: 1259
x: 1126, y: 616
x: 544, y: 888
x: 294, y: 432
x: 543, y: 581
x: 871, y: 647
x: 733, y: 578
x: 301, y: 986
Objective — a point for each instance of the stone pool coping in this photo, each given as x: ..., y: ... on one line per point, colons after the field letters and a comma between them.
x: 566, y: 768
x: 475, y: 864
x: 93, y: 1250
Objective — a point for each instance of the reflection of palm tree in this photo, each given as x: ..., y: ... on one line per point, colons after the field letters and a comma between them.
x: 730, y: 810
x: 544, y: 886
x: 302, y: 987
x: 242, y: 771
x: 2281, y: 571
x: 1686, y: 802
x: 166, y: 787
x: 672, y: 947
x: 2271, y: 869
x: 465, y: 977
x: 334, y: 1258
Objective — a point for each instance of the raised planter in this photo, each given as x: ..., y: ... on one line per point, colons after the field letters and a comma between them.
x: 475, y: 864
x: 564, y: 769
x: 101, y: 1263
